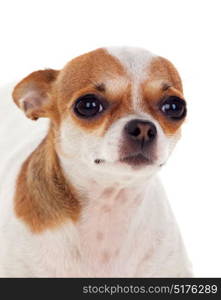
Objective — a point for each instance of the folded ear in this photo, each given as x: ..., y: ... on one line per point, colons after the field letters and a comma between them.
x: 33, y: 93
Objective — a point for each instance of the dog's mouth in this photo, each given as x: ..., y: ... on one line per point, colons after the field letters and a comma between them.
x: 136, y: 160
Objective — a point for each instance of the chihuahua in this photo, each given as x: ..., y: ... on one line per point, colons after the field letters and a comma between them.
x: 79, y: 193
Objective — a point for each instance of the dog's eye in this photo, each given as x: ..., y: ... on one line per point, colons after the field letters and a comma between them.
x: 174, y: 107
x: 88, y: 106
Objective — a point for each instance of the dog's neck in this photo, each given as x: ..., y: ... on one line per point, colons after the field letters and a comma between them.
x: 113, y: 210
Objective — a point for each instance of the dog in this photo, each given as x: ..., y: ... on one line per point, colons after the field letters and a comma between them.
x: 79, y: 192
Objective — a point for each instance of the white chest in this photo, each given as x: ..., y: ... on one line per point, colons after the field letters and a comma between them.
x: 111, y: 231
x: 112, y: 238
x: 125, y: 235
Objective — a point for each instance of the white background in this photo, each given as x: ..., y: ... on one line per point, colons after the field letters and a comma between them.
x: 41, y: 34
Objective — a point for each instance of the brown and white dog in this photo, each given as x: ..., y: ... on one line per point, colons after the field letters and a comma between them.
x: 79, y: 195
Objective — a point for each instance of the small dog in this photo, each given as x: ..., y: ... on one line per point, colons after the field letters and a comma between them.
x: 79, y: 193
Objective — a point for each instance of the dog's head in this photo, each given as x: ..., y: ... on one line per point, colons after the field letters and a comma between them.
x: 115, y: 110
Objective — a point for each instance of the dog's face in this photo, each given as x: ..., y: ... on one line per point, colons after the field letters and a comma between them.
x: 117, y: 111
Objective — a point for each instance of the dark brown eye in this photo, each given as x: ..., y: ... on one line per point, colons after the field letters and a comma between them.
x: 173, y: 107
x: 88, y: 106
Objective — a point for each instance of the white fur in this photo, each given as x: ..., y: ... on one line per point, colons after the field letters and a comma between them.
x: 135, y: 62
x: 126, y: 228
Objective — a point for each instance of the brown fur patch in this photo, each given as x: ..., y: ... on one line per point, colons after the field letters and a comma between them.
x: 43, y: 197
x: 33, y: 94
x: 163, y: 81
x: 163, y: 69
x: 84, y: 75
x: 85, y: 72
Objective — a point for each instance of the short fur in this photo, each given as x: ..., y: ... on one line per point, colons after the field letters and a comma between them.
x: 69, y: 205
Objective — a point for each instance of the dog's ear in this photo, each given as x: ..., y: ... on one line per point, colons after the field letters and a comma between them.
x: 33, y: 93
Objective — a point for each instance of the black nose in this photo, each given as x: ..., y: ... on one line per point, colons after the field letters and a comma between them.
x: 143, y: 132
